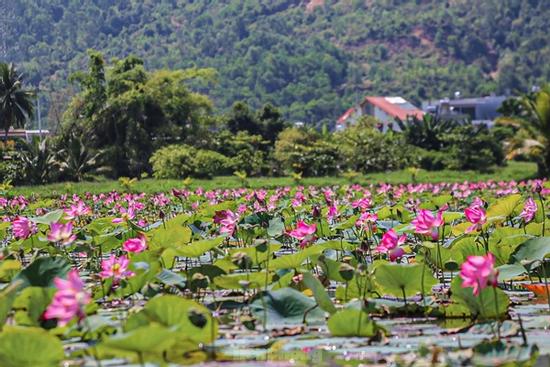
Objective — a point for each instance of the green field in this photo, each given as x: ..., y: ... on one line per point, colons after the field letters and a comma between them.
x: 513, y: 171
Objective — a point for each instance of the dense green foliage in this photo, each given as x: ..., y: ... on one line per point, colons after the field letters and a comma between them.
x: 181, y: 161
x: 311, y: 61
x: 128, y: 112
x: 452, y: 144
x: 516, y: 171
x: 530, y: 116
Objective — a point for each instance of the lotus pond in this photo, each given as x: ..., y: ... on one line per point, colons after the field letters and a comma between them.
x: 404, y: 275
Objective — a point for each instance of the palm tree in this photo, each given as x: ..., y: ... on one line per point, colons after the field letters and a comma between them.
x: 427, y: 132
x: 15, y: 102
x: 533, y: 122
x: 76, y: 161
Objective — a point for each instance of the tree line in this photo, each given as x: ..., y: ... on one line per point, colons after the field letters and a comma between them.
x: 128, y: 121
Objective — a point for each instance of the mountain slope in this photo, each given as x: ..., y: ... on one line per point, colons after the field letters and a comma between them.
x: 311, y: 58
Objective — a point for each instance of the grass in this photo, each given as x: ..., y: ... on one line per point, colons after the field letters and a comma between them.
x: 513, y: 171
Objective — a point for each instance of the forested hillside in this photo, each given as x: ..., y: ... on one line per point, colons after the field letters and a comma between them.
x: 311, y: 58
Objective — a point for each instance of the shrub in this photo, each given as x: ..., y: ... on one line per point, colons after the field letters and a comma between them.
x: 472, y: 147
x: 207, y: 163
x: 432, y: 160
x: 303, y: 150
x: 180, y: 161
x: 246, y: 152
x: 365, y: 149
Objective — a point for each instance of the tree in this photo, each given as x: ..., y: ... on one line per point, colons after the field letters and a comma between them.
x: 533, y: 120
x: 241, y: 118
x: 127, y: 112
x: 272, y: 122
x: 15, y: 101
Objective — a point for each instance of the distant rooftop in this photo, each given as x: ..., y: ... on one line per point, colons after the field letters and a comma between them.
x: 397, y: 107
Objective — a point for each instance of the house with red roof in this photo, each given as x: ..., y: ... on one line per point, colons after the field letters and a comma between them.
x: 385, y: 109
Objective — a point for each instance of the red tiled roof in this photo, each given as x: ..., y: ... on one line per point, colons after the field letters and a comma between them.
x: 342, y: 119
x: 393, y: 109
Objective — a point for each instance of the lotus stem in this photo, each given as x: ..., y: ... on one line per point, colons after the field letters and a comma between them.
x: 546, y: 283
x: 496, y: 312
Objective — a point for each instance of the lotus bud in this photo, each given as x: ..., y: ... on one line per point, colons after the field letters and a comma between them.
x: 346, y: 271
x: 242, y: 260
x: 199, y: 280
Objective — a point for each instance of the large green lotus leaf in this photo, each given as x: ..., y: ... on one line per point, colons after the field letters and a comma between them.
x: 535, y: 229
x: 4, y: 229
x: 498, y: 353
x: 226, y: 265
x: 9, y: 269
x: 357, y: 287
x: 442, y: 256
x: 100, y: 226
x: 283, y: 281
x: 198, y: 248
x: 146, y: 272
x: 319, y: 292
x: 211, y: 271
x: 452, y: 216
x: 441, y: 200
x: 276, y: 227
x: 396, y: 279
x: 43, y: 271
x: 170, y: 278
x: 396, y: 213
x: 338, y: 245
x: 7, y: 297
x: 173, y: 236
x: 532, y: 250
x: 295, y: 261
x: 482, y: 306
x: 467, y: 246
x: 207, y: 211
x: 25, y: 347
x: 502, y: 208
x: 177, y: 221
x: 144, y: 339
x: 189, y: 317
x: 347, y: 224
x: 460, y: 228
x: 352, y: 322
x: 259, y: 253
x: 331, y: 268
x: 510, y: 271
x: 323, y: 229
x: 235, y: 281
x: 285, y: 307
x: 49, y: 218
x: 108, y: 241
x: 31, y: 303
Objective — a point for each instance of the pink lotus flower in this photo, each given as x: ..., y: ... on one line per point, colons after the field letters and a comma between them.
x: 529, y: 210
x: 227, y: 221
x: 23, y: 228
x: 61, y: 233
x: 135, y: 245
x: 390, y: 244
x: 332, y: 212
x: 116, y: 268
x: 479, y: 272
x: 69, y: 300
x: 77, y: 210
x: 427, y: 223
x: 304, y: 233
x: 366, y: 217
x: 125, y: 215
x: 363, y: 203
x: 476, y: 216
